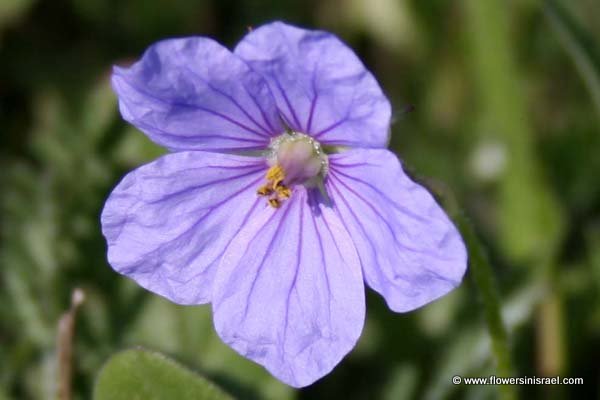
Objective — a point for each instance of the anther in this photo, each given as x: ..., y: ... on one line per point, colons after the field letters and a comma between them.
x: 274, y: 202
x: 264, y: 190
x: 275, y: 174
x: 283, y: 191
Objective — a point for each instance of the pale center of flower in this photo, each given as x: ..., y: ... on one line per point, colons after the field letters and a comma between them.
x: 294, y: 159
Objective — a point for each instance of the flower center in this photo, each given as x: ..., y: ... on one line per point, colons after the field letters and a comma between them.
x: 294, y: 159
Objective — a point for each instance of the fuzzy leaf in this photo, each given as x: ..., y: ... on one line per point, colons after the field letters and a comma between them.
x: 142, y: 374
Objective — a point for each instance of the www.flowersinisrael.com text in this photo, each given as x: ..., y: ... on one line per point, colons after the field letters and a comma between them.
x: 522, y: 380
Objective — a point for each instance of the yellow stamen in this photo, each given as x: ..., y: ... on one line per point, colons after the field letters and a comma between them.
x: 283, y: 191
x: 264, y: 190
x: 275, y: 174
x: 275, y: 202
x: 275, y: 187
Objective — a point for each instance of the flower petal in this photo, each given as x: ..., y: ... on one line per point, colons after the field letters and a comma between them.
x: 321, y: 87
x: 194, y: 94
x: 168, y: 223
x: 411, y: 253
x: 289, y: 292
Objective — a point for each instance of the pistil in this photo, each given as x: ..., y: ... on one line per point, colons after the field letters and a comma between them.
x: 294, y: 159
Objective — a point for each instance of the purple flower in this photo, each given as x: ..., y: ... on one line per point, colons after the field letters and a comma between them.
x: 278, y: 198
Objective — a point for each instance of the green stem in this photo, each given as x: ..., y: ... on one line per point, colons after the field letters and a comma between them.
x: 485, y: 281
x: 562, y: 24
x: 484, y: 278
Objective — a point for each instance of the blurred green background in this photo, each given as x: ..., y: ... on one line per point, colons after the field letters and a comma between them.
x: 506, y: 97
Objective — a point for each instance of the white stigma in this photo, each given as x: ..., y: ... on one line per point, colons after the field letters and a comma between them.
x: 300, y: 156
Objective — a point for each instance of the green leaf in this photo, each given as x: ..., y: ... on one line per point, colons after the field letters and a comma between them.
x: 142, y: 374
